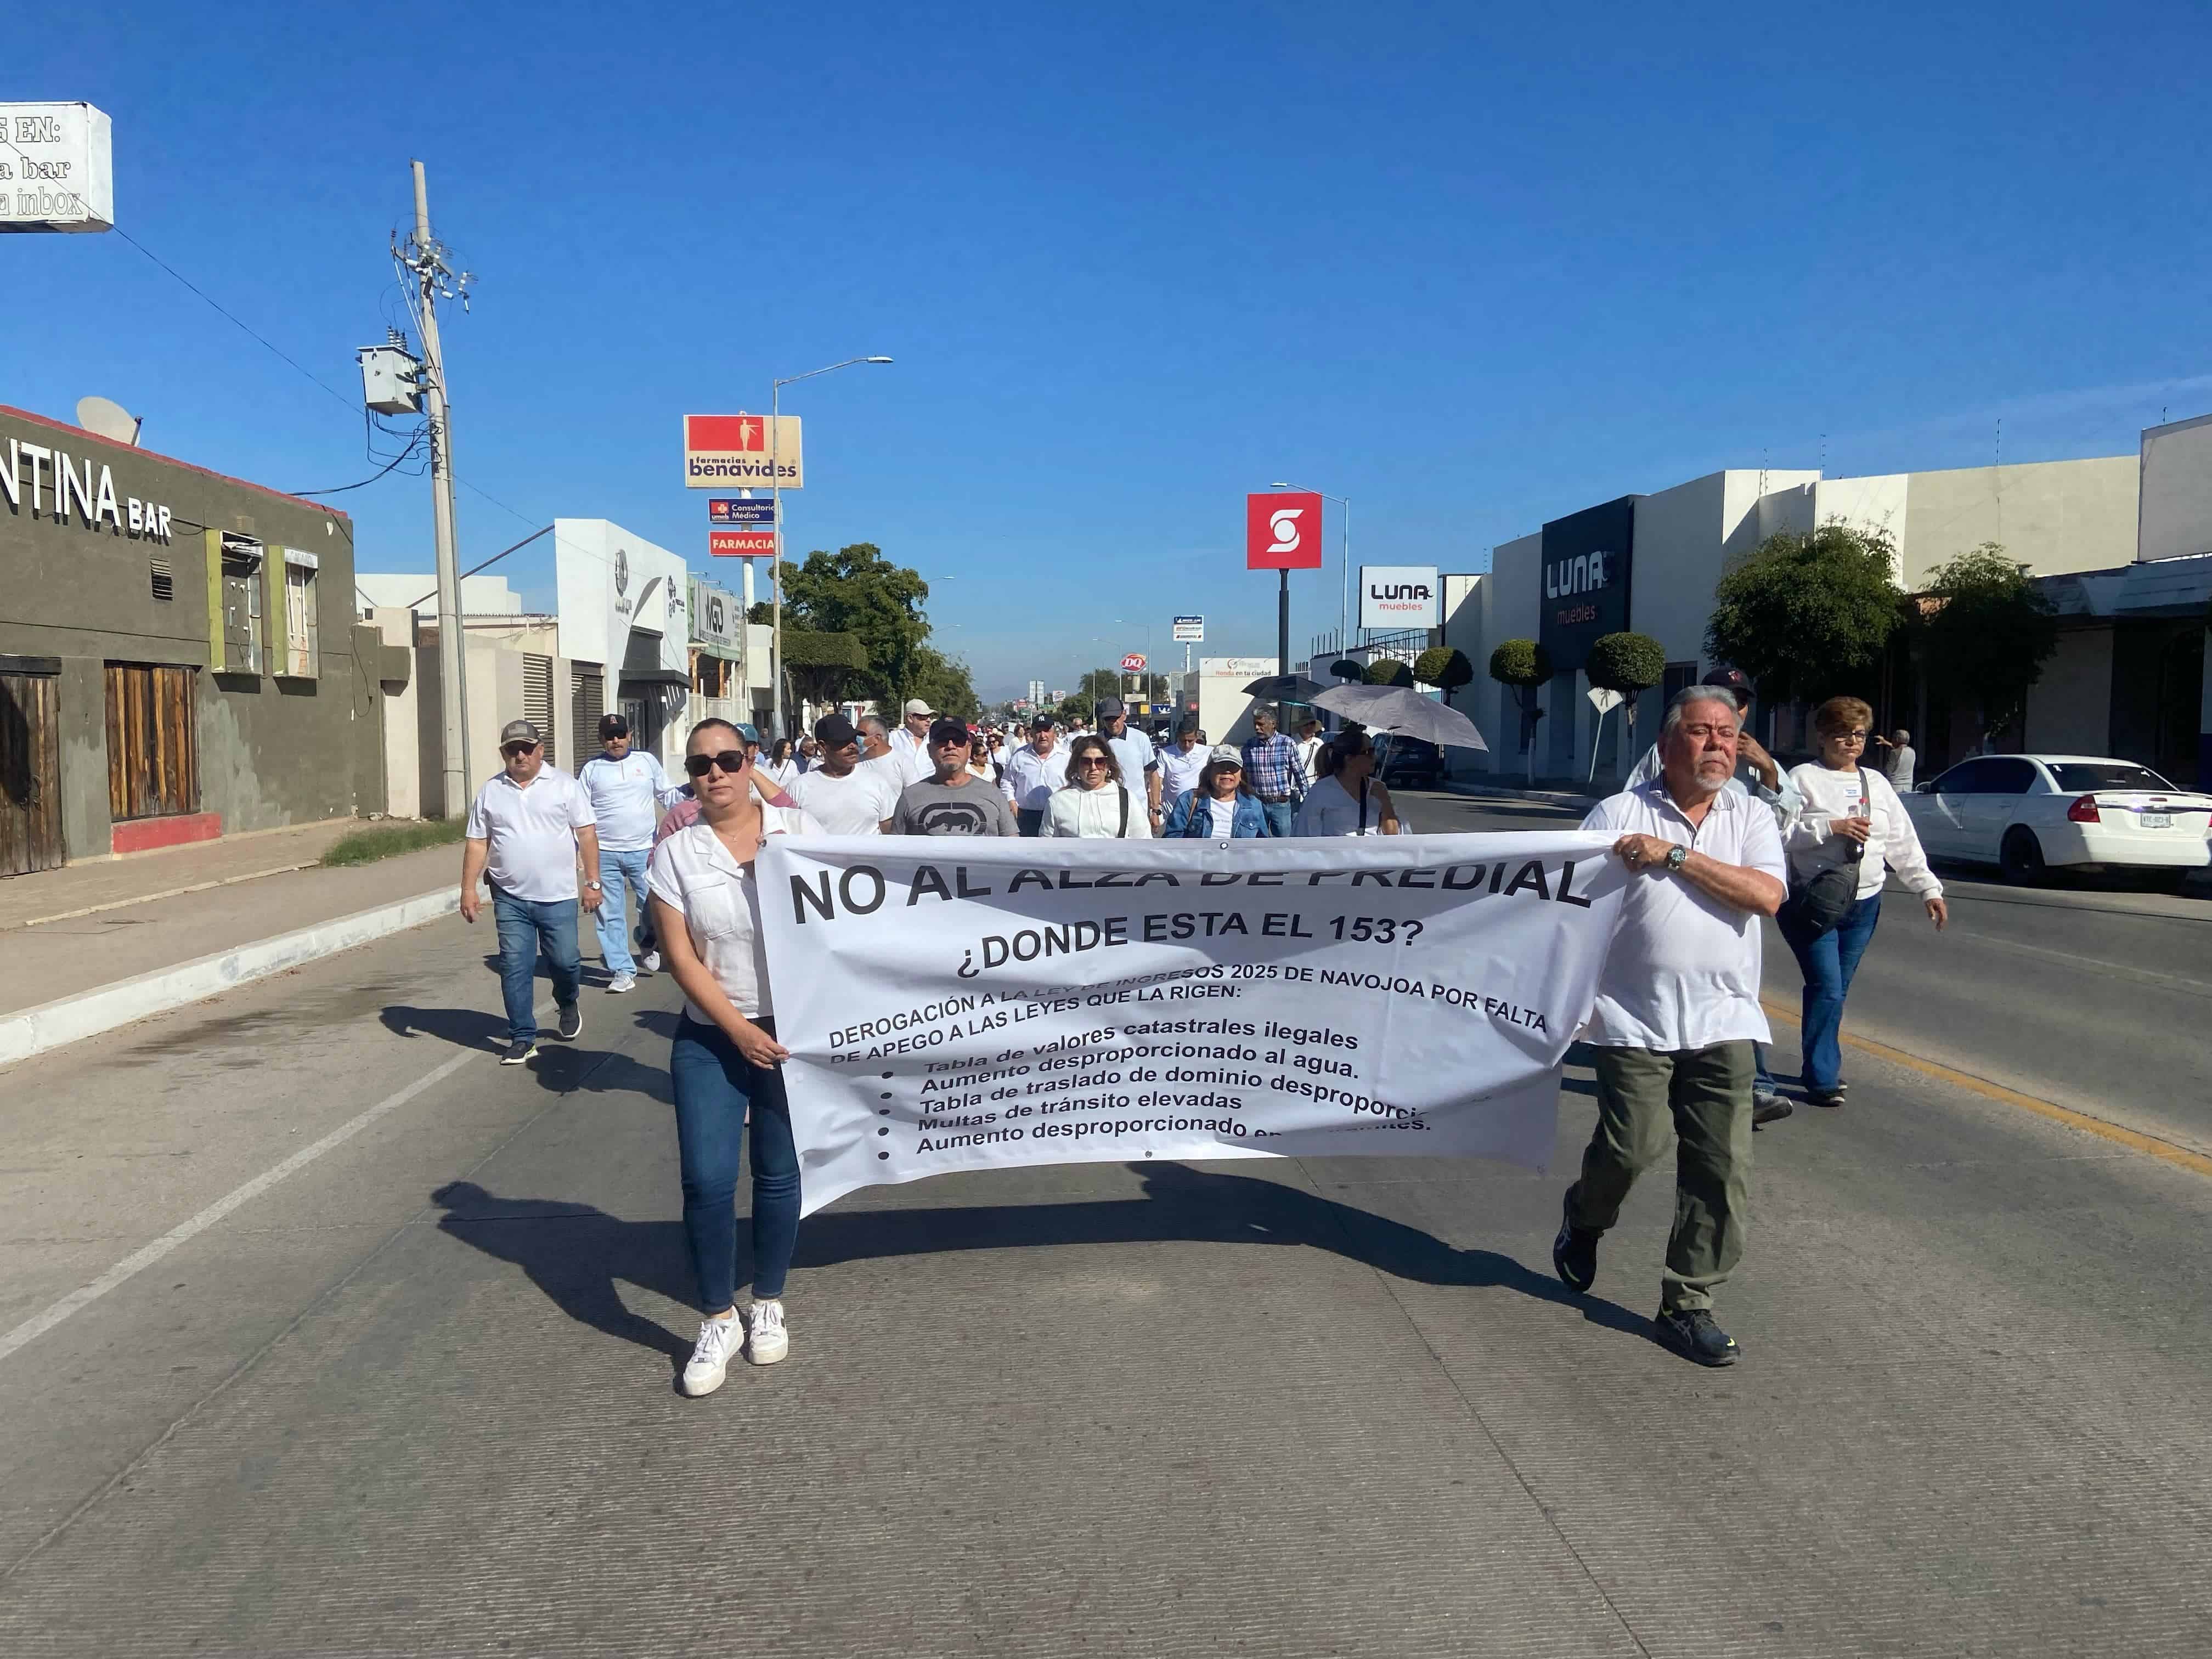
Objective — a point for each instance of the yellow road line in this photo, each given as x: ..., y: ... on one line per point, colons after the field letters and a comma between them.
x: 2134, y: 1140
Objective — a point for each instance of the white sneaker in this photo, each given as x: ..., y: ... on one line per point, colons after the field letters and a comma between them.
x: 766, y: 1340
x: 710, y: 1360
x: 650, y: 962
x: 621, y: 982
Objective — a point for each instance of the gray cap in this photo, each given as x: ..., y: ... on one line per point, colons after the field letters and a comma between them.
x: 518, y: 731
x: 1230, y: 752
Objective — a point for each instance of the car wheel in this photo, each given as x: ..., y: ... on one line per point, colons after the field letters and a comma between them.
x: 2020, y: 857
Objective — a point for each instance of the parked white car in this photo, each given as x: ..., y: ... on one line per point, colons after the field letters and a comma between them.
x: 2028, y: 813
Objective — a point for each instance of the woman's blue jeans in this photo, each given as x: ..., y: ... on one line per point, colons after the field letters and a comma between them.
x: 1828, y: 960
x: 717, y: 1089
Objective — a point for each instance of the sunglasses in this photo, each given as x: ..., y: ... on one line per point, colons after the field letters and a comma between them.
x: 1091, y: 760
x: 514, y: 750
x: 730, y: 760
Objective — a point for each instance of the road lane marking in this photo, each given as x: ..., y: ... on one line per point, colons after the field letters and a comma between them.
x: 2165, y: 1151
x: 138, y: 1260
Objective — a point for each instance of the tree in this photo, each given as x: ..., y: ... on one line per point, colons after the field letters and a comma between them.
x: 1523, y: 665
x: 857, y: 591
x: 1627, y: 663
x: 1808, y: 616
x: 1989, y: 634
x: 941, y: 681
x: 1444, y: 668
x: 821, y: 668
x: 1388, y: 670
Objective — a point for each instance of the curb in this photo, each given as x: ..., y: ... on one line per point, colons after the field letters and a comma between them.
x: 52, y: 1024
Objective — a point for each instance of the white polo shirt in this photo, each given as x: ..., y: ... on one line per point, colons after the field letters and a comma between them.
x: 1030, y: 778
x: 854, y: 804
x: 696, y: 876
x: 1683, y: 971
x: 1179, y: 771
x: 1135, y: 752
x: 532, y: 834
x: 623, y: 792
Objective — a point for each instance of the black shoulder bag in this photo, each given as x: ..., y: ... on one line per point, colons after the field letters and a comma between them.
x: 1824, y: 899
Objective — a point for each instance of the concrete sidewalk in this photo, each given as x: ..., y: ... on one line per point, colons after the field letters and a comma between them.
x: 96, y: 884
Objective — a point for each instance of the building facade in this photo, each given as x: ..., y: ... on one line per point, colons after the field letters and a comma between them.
x: 179, y: 659
x: 624, y: 608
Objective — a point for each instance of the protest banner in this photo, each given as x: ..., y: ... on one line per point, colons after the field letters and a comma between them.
x: 955, y: 1004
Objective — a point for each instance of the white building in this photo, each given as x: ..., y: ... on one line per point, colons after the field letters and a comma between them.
x: 624, y: 611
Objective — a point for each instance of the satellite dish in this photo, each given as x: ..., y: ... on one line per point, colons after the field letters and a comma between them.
x: 109, y: 419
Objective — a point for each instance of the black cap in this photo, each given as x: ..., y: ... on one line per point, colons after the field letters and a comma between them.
x: 1733, y: 680
x: 1041, y: 723
x: 947, y: 730
x: 1109, y: 707
x: 834, y: 731
x: 613, y: 726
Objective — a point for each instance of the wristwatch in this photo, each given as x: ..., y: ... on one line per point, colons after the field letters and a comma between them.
x: 594, y: 886
x: 1677, y: 856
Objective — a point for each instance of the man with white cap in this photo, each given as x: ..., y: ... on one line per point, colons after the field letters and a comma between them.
x: 910, y: 742
x: 526, y: 830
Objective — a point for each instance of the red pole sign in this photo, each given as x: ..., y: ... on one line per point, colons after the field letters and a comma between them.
x: 1282, y: 531
x: 1132, y: 663
x: 741, y: 544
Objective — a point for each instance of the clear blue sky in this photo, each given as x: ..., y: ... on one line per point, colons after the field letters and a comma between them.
x: 1471, y: 270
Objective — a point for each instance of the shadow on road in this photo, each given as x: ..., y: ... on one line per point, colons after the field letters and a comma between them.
x: 577, y: 1254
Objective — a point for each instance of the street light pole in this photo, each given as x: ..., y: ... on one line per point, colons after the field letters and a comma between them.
x: 1343, y: 569
x: 775, y: 562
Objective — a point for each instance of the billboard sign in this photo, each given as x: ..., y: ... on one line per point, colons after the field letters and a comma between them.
x: 1190, y: 630
x: 1587, y: 559
x: 717, y: 618
x: 725, y: 451
x: 1282, y: 531
x: 723, y: 510
x: 1400, y: 596
x: 1134, y: 663
x: 741, y: 544
x: 57, y: 168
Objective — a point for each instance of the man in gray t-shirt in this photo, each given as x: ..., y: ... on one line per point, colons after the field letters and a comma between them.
x: 952, y: 801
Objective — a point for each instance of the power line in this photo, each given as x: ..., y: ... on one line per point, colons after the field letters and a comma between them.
x: 340, y: 490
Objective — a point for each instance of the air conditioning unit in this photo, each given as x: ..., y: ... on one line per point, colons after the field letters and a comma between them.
x: 390, y: 379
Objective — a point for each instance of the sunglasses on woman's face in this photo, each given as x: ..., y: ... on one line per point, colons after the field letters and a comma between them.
x: 1091, y: 760
x: 730, y: 760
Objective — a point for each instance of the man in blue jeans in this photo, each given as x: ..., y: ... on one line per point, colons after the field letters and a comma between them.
x: 628, y: 790
x: 526, y: 830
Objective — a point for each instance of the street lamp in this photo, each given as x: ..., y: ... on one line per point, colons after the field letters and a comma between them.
x: 1344, y: 560
x: 776, y: 490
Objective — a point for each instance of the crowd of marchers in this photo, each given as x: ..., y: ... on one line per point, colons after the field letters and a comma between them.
x: 1714, y: 837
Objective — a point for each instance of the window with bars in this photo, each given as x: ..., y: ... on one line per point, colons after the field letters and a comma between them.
x: 241, y: 606
x: 301, y: 657
x: 164, y: 579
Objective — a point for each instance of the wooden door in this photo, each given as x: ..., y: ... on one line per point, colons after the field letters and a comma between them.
x: 153, y: 744
x: 30, y: 775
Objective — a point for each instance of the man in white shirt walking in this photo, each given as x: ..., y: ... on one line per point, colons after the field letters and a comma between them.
x: 628, y: 790
x: 1676, y: 1015
x: 1140, y: 762
x: 910, y: 742
x: 844, y: 797
x: 1032, y: 772
x: 527, y: 829
x: 1182, y: 761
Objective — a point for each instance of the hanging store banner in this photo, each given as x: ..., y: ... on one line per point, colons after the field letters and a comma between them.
x: 989, y: 1004
x: 725, y: 451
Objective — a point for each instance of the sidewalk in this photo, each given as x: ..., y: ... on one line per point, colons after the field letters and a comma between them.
x: 91, y: 947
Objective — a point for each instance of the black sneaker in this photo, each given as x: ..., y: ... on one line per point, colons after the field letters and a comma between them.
x: 1691, y: 1332
x: 517, y: 1050
x: 1574, y: 1254
x: 1769, y: 1108
x: 1831, y: 1098
x: 572, y: 1020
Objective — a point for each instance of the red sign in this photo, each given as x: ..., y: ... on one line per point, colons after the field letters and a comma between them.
x: 741, y: 544
x: 1132, y: 663
x: 730, y: 433
x: 1282, y: 531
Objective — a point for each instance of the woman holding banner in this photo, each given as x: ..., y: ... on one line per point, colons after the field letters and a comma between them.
x: 726, y: 1064
x: 1349, y: 800
x: 1096, y: 803
x: 1220, y: 805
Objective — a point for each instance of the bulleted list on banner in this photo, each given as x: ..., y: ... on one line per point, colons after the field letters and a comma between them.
x: 960, y: 1004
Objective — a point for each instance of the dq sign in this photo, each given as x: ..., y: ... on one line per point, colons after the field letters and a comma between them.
x: 1282, y: 531
x: 1134, y: 663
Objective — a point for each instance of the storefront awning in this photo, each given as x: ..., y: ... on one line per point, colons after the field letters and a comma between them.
x: 655, y: 676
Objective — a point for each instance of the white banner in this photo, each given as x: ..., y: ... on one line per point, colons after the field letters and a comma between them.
x: 959, y: 1004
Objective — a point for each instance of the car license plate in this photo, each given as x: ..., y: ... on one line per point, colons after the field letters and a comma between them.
x: 2156, y: 820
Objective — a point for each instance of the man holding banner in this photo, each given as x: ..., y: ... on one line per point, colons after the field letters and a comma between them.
x: 1675, y: 1017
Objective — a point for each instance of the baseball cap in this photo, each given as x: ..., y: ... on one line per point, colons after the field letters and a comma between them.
x: 834, y: 731
x: 613, y: 726
x: 1732, y: 680
x: 916, y: 705
x: 1109, y: 707
x: 948, y: 730
x: 518, y: 731
x: 1230, y: 752
x: 1041, y: 723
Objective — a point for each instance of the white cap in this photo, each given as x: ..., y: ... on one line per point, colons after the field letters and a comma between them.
x: 916, y: 705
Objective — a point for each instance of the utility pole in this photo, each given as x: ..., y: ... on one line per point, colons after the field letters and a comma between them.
x: 426, y: 260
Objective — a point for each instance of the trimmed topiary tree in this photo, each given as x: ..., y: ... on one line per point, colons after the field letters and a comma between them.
x: 1388, y: 670
x: 1525, y: 665
x: 1344, y: 669
x: 1629, y: 664
x: 1444, y: 668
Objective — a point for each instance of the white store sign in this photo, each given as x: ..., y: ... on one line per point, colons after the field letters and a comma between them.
x: 1400, y: 596
x: 57, y: 168
x: 993, y: 1004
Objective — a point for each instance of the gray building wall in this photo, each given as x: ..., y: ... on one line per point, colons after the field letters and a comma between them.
x: 272, y: 752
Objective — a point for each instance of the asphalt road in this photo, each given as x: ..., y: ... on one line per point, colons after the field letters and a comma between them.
x: 413, y: 1395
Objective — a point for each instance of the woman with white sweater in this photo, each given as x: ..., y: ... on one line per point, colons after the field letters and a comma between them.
x: 1096, y: 803
x: 1850, y: 812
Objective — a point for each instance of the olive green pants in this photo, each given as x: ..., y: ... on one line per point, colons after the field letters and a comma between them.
x: 1701, y: 1098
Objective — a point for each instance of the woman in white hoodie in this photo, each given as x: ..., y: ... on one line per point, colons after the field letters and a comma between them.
x: 1851, y: 817
x: 1095, y: 802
